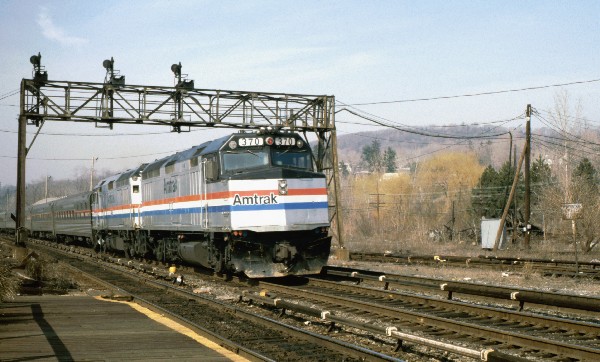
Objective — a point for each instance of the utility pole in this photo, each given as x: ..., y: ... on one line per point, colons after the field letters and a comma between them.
x: 453, y: 222
x: 46, y: 191
x: 94, y: 159
x: 21, y: 235
x: 510, y: 170
x: 515, y: 215
x: 510, y: 198
x: 527, y: 206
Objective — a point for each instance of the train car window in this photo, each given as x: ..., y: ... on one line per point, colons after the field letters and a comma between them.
x: 234, y: 161
x: 111, y: 185
x: 170, y: 168
x: 288, y: 158
x: 211, y: 168
x: 194, y: 162
x: 136, y: 189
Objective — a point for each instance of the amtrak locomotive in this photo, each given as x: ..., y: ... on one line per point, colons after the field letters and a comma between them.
x: 247, y: 202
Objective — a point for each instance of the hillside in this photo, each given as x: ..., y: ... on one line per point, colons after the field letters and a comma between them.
x: 493, y: 151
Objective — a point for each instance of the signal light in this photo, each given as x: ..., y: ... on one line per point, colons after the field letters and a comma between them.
x: 270, y: 141
x: 36, y: 60
x: 176, y: 68
x: 109, y: 64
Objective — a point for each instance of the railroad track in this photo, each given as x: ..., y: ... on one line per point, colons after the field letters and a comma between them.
x: 363, y: 346
x: 252, y: 335
x: 432, y: 324
x: 525, y: 335
x: 545, y: 267
x: 568, y: 303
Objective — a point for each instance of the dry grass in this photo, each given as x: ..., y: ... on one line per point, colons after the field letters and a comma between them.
x: 50, y: 273
x: 9, y: 284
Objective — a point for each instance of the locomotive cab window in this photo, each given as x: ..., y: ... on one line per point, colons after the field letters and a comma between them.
x: 288, y: 158
x: 239, y: 160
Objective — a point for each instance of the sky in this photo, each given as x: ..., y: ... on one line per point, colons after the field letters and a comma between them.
x: 359, y: 51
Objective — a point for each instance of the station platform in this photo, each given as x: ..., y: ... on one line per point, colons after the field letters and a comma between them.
x: 84, y: 328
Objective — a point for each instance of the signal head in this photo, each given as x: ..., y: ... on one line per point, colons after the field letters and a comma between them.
x: 36, y: 60
x: 108, y: 64
x: 176, y: 68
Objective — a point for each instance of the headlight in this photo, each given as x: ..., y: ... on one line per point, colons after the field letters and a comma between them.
x: 232, y: 144
x: 283, y: 187
x: 299, y: 143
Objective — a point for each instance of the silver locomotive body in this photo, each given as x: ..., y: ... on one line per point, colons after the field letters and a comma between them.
x: 116, y: 203
x: 248, y: 202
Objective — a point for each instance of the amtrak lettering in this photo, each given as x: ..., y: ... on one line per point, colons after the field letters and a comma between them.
x: 170, y: 186
x: 255, y: 199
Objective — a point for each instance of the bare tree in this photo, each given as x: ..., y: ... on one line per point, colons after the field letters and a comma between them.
x: 570, y: 158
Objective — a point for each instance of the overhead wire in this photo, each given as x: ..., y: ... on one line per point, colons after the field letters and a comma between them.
x: 576, y: 153
x: 416, y: 131
x: 479, y: 93
x: 10, y: 94
x: 105, y: 134
x: 101, y: 158
x: 567, y: 136
x: 577, y: 118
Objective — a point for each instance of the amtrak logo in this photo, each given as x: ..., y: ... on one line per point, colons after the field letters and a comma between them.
x: 255, y: 200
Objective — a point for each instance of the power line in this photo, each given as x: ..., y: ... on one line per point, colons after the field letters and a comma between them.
x: 565, y: 133
x: 498, y: 140
x: 582, y: 142
x: 549, y: 113
x: 102, y: 135
x: 88, y: 158
x: 421, y: 133
x: 6, y: 95
x: 479, y: 94
x: 578, y: 152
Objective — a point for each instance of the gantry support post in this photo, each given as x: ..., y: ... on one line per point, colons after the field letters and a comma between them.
x: 527, y: 206
x: 21, y: 234
x: 342, y: 253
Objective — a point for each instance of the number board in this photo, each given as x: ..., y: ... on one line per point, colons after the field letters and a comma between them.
x: 285, y: 141
x: 251, y: 141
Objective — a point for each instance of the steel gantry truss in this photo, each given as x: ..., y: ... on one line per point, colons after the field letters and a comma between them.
x: 181, y: 107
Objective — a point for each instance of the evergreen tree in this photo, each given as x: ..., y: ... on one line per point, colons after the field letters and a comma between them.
x: 389, y: 160
x: 541, y: 172
x: 371, y: 156
x: 585, y: 171
x: 490, y: 198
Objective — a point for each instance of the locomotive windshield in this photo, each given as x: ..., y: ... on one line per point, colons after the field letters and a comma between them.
x: 288, y: 158
x: 241, y: 160
x: 244, y: 159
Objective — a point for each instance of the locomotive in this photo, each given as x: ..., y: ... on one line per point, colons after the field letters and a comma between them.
x: 248, y: 202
